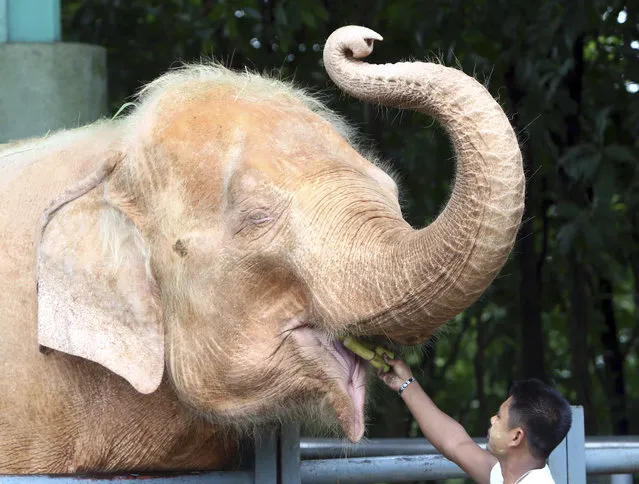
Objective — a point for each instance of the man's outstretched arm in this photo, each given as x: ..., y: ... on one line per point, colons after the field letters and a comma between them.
x: 446, y: 434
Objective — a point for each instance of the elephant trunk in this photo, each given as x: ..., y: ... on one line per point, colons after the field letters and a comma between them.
x: 438, y: 271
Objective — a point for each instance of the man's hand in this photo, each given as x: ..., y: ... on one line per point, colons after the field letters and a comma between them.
x: 399, y: 373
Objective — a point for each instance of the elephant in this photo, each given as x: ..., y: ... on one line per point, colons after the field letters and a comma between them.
x: 183, y: 274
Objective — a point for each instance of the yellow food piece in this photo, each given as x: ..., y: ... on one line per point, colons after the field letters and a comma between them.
x: 364, y: 350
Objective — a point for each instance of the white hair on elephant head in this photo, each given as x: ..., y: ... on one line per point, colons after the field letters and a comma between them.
x: 192, y: 79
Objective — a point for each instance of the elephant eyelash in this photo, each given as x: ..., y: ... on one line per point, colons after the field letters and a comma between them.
x: 259, y: 217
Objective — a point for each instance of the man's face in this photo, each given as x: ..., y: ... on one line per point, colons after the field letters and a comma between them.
x: 499, y: 432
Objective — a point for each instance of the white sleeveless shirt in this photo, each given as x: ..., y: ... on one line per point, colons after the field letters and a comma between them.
x: 535, y: 476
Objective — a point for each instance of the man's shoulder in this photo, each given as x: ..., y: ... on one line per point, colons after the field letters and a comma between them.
x: 536, y: 476
x: 495, y: 474
x: 539, y: 476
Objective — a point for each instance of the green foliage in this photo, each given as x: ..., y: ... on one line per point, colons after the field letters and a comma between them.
x: 561, y: 69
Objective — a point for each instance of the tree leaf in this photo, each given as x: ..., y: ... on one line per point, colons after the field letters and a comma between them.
x: 620, y: 153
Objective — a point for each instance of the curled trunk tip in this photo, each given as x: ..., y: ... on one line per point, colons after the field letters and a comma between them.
x: 350, y: 41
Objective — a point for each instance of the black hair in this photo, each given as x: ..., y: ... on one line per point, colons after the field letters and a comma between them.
x: 542, y: 412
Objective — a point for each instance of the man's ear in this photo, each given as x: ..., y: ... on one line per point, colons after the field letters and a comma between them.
x: 97, y: 298
x: 517, y: 436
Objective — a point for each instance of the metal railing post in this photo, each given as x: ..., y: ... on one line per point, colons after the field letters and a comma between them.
x: 576, y: 447
x: 568, y: 461
x: 290, y: 454
x: 266, y: 458
x: 558, y: 463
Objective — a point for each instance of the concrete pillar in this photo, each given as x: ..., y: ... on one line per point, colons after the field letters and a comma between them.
x: 45, y: 84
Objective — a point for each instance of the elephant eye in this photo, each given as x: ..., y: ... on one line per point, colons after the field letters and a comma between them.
x: 259, y: 216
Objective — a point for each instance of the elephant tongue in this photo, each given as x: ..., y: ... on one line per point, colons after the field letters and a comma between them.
x: 348, y: 402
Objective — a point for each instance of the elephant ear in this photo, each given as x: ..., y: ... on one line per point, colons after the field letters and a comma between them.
x: 96, y: 296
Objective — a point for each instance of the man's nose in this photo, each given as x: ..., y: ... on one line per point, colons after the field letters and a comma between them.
x: 492, y: 420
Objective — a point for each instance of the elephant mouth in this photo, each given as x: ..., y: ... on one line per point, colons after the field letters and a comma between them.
x: 344, y: 372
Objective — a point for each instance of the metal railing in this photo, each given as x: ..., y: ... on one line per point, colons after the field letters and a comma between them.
x: 286, y: 459
x: 397, y: 460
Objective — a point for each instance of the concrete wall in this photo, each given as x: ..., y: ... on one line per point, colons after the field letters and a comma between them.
x: 45, y: 87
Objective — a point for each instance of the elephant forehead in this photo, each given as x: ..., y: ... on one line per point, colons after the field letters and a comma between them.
x: 220, y: 132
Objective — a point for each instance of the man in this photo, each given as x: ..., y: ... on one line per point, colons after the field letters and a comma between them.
x: 532, y: 421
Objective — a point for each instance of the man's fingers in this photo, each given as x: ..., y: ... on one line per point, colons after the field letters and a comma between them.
x: 390, y: 361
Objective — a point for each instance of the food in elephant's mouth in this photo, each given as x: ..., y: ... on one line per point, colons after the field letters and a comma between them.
x: 369, y: 352
x: 341, y: 364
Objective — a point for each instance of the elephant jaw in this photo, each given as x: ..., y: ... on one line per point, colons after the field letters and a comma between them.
x: 346, y: 374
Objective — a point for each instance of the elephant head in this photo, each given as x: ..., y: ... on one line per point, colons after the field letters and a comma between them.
x: 234, y: 233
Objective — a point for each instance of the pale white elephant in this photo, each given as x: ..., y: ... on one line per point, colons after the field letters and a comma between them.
x: 187, y: 270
